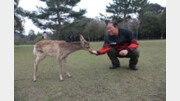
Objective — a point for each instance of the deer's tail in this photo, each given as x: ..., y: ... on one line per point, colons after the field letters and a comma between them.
x: 34, y: 50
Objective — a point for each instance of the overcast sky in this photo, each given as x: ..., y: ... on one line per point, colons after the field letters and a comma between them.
x: 93, y: 7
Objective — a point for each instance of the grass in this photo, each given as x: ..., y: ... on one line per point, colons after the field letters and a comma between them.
x: 92, y: 79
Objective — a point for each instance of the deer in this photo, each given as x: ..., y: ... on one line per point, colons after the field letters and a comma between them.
x: 59, y: 49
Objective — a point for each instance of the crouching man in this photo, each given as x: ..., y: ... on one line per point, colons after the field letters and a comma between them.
x: 119, y: 43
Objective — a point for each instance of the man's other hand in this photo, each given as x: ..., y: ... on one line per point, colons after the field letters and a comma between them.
x: 123, y: 52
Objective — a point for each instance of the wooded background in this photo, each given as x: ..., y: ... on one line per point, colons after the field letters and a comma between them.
x: 62, y: 21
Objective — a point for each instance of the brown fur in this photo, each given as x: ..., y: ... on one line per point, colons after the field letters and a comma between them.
x: 58, y: 49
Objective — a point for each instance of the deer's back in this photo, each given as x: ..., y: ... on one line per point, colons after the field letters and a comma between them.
x: 50, y: 47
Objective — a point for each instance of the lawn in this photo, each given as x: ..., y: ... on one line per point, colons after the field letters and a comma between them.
x: 92, y: 80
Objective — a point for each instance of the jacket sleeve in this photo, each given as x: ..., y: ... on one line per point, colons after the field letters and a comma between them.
x: 133, y: 45
x: 133, y: 42
x: 104, y: 49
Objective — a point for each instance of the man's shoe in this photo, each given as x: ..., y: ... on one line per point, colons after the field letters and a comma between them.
x: 113, y: 67
x: 133, y: 67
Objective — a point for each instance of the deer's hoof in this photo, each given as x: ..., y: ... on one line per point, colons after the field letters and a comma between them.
x: 61, y: 80
x: 70, y: 76
x: 34, y: 80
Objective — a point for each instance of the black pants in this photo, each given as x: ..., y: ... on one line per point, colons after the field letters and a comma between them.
x: 114, y: 53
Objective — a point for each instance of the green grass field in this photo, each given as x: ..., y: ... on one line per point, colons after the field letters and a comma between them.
x: 92, y: 80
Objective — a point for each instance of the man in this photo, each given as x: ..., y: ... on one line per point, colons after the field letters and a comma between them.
x: 119, y: 43
x: 70, y: 38
x: 45, y: 36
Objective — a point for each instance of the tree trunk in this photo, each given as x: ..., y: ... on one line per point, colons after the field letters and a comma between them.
x: 98, y: 36
x: 59, y: 23
x: 137, y: 34
x: 88, y: 38
x: 161, y: 33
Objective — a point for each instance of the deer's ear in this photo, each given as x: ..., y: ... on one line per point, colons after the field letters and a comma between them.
x: 82, y: 40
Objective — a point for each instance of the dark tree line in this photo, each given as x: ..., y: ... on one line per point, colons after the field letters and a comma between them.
x: 150, y: 22
x: 63, y: 21
x: 153, y: 23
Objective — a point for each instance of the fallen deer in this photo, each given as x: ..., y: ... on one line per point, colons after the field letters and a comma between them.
x: 59, y: 50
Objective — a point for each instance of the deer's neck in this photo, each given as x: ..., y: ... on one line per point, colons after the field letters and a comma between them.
x: 74, y: 46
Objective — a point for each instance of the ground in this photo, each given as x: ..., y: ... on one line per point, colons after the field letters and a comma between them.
x: 92, y: 80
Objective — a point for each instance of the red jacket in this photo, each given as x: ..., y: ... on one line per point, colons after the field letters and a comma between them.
x: 124, y: 40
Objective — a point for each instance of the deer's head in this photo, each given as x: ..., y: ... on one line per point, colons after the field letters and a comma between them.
x: 84, y: 43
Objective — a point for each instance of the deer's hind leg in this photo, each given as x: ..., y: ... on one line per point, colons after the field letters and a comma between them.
x: 39, y: 58
x: 65, y: 65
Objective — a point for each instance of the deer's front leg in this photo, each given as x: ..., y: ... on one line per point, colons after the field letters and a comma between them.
x: 60, y: 70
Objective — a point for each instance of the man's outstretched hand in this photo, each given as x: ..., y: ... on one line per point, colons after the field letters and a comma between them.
x: 92, y: 52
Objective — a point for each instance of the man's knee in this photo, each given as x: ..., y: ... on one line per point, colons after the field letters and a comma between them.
x: 135, y: 53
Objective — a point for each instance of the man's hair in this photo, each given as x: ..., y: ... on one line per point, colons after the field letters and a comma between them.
x: 115, y: 24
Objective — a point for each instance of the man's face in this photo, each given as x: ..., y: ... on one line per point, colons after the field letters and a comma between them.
x: 111, y: 29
